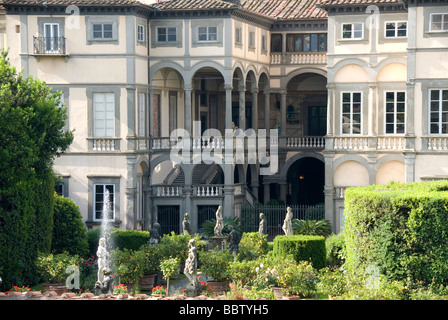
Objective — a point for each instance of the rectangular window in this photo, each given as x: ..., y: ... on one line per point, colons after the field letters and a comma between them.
x: 165, y: 34
x: 306, y: 42
x: 263, y: 43
x: 351, y: 112
x: 252, y: 39
x: 439, y: 22
x: 104, y: 198
x: 141, y: 33
x: 207, y: 34
x: 104, y: 114
x: 102, y: 31
x: 395, y: 112
x: 51, y: 37
x: 396, y: 29
x: 238, y: 35
x: 438, y: 111
x: 276, y: 43
x: 352, y: 31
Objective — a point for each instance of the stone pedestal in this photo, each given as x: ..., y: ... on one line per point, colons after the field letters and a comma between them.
x: 218, y: 241
x: 193, y: 290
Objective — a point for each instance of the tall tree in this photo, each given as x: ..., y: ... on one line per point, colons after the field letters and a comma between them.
x: 32, y: 134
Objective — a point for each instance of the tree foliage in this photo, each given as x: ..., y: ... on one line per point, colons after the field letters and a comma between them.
x: 31, y: 136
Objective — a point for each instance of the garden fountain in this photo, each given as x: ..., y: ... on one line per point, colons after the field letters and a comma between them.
x: 105, y: 280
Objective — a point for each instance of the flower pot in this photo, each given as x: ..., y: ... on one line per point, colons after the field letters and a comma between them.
x: 219, y: 287
x: 278, y: 292
x: 146, y: 283
x: 291, y: 297
x: 59, y: 289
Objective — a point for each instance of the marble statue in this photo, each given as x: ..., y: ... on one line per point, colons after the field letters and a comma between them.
x: 287, y: 224
x: 191, y: 272
x: 234, y: 239
x: 262, y: 227
x: 219, y: 223
x: 105, y: 286
x: 154, y: 237
x: 186, y: 224
x: 103, y: 259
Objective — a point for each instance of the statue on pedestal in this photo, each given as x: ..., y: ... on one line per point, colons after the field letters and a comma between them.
x: 287, y: 224
x: 186, y: 224
x: 219, y: 223
x: 262, y: 228
x: 154, y: 237
x: 234, y: 239
x: 193, y: 288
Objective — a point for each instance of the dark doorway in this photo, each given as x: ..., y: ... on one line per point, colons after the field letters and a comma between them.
x: 317, y: 121
x: 169, y: 219
x: 306, y: 180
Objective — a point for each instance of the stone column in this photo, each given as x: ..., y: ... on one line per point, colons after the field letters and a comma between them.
x: 151, y: 112
x: 242, y: 124
x: 329, y: 191
x: 228, y: 89
x: 409, y: 133
x: 130, y: 192
x: 267, y: 119
x: 255, y: 108
x: 283, y: 112
x: 187, y: 108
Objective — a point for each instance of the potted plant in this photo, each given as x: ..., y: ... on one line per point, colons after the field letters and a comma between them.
x: 53, y: 267
x: 216, y: 265
x: 128, y: 266
x: 159, y: 291
x: 151, y: 266
x: 170, y: 268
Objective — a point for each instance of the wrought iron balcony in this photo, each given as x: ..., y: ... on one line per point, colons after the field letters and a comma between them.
x: 49, y: 46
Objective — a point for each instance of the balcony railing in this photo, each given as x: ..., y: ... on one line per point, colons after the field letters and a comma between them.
x: 299, y: 58
x: 49, y: 46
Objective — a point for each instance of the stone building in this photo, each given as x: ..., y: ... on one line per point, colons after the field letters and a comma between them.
x: 356, y: 93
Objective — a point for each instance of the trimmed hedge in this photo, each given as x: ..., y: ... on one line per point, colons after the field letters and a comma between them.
x: 302, y: 248
x: 123, y: 239
x: 400, y: 228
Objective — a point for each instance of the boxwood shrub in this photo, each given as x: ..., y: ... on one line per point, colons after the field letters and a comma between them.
x: 400, y: 228
x: 302, y: 248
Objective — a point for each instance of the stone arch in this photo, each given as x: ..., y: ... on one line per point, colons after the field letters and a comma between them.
x: 285, y: 80
x: 392, y: 170
x: 165, y: 65
x: 306, y: 154
x: 208, y: 65
x: 392, y: 72
x: 371, y: 74
x: 351, y: 171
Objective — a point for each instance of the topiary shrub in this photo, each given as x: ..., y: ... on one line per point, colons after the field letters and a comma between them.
x: 69, y: 233
x: 400, y: 228
x: 302, y: 248
x: 336, y: 252
x: 129, y: 239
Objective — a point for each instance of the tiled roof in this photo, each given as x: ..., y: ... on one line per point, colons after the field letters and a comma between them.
x: 193, y: 5
x: 285, y: 9
x: 335, y: 3
x: 71, y: 2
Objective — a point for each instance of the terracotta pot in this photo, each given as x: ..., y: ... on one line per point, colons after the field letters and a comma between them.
x: 146, y: 283
x: 219, y: 287
x: 59, y: 289
x: 278, y: 292
x: 291, y: 297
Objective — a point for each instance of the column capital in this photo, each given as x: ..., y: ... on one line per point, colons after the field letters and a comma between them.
x: 228, y: 86
x: 188, y: 87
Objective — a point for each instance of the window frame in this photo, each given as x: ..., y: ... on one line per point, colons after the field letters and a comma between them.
x: 207, y: 34
x: 352, y: 31
x: 113, y: 202
x: 238, y: 35
x: 95, y: 120
x: 301, y: 38
x: 101, y: 20
x: 396, y: 36
x: 352, y: 113
x: 103, y: 24
x: 395, y: 112
x: 167, y: 34
x: 141, y: 33
x: 439, y: 112
x: 443, y: 21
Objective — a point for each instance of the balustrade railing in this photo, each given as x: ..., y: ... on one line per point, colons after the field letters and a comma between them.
x: 299, y: 58
x: 305, y: 142
x: 351, y: 143
x: 437, y: 143
x: 391, y: 143
x: 208, y: 190
x: 49, y: 45
x: 104, y: 144
x: 167, y: 191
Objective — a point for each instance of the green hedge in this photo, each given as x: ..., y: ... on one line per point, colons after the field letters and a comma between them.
x: 302, y: 248
x: 123, y: 239
x: 400, y: 228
